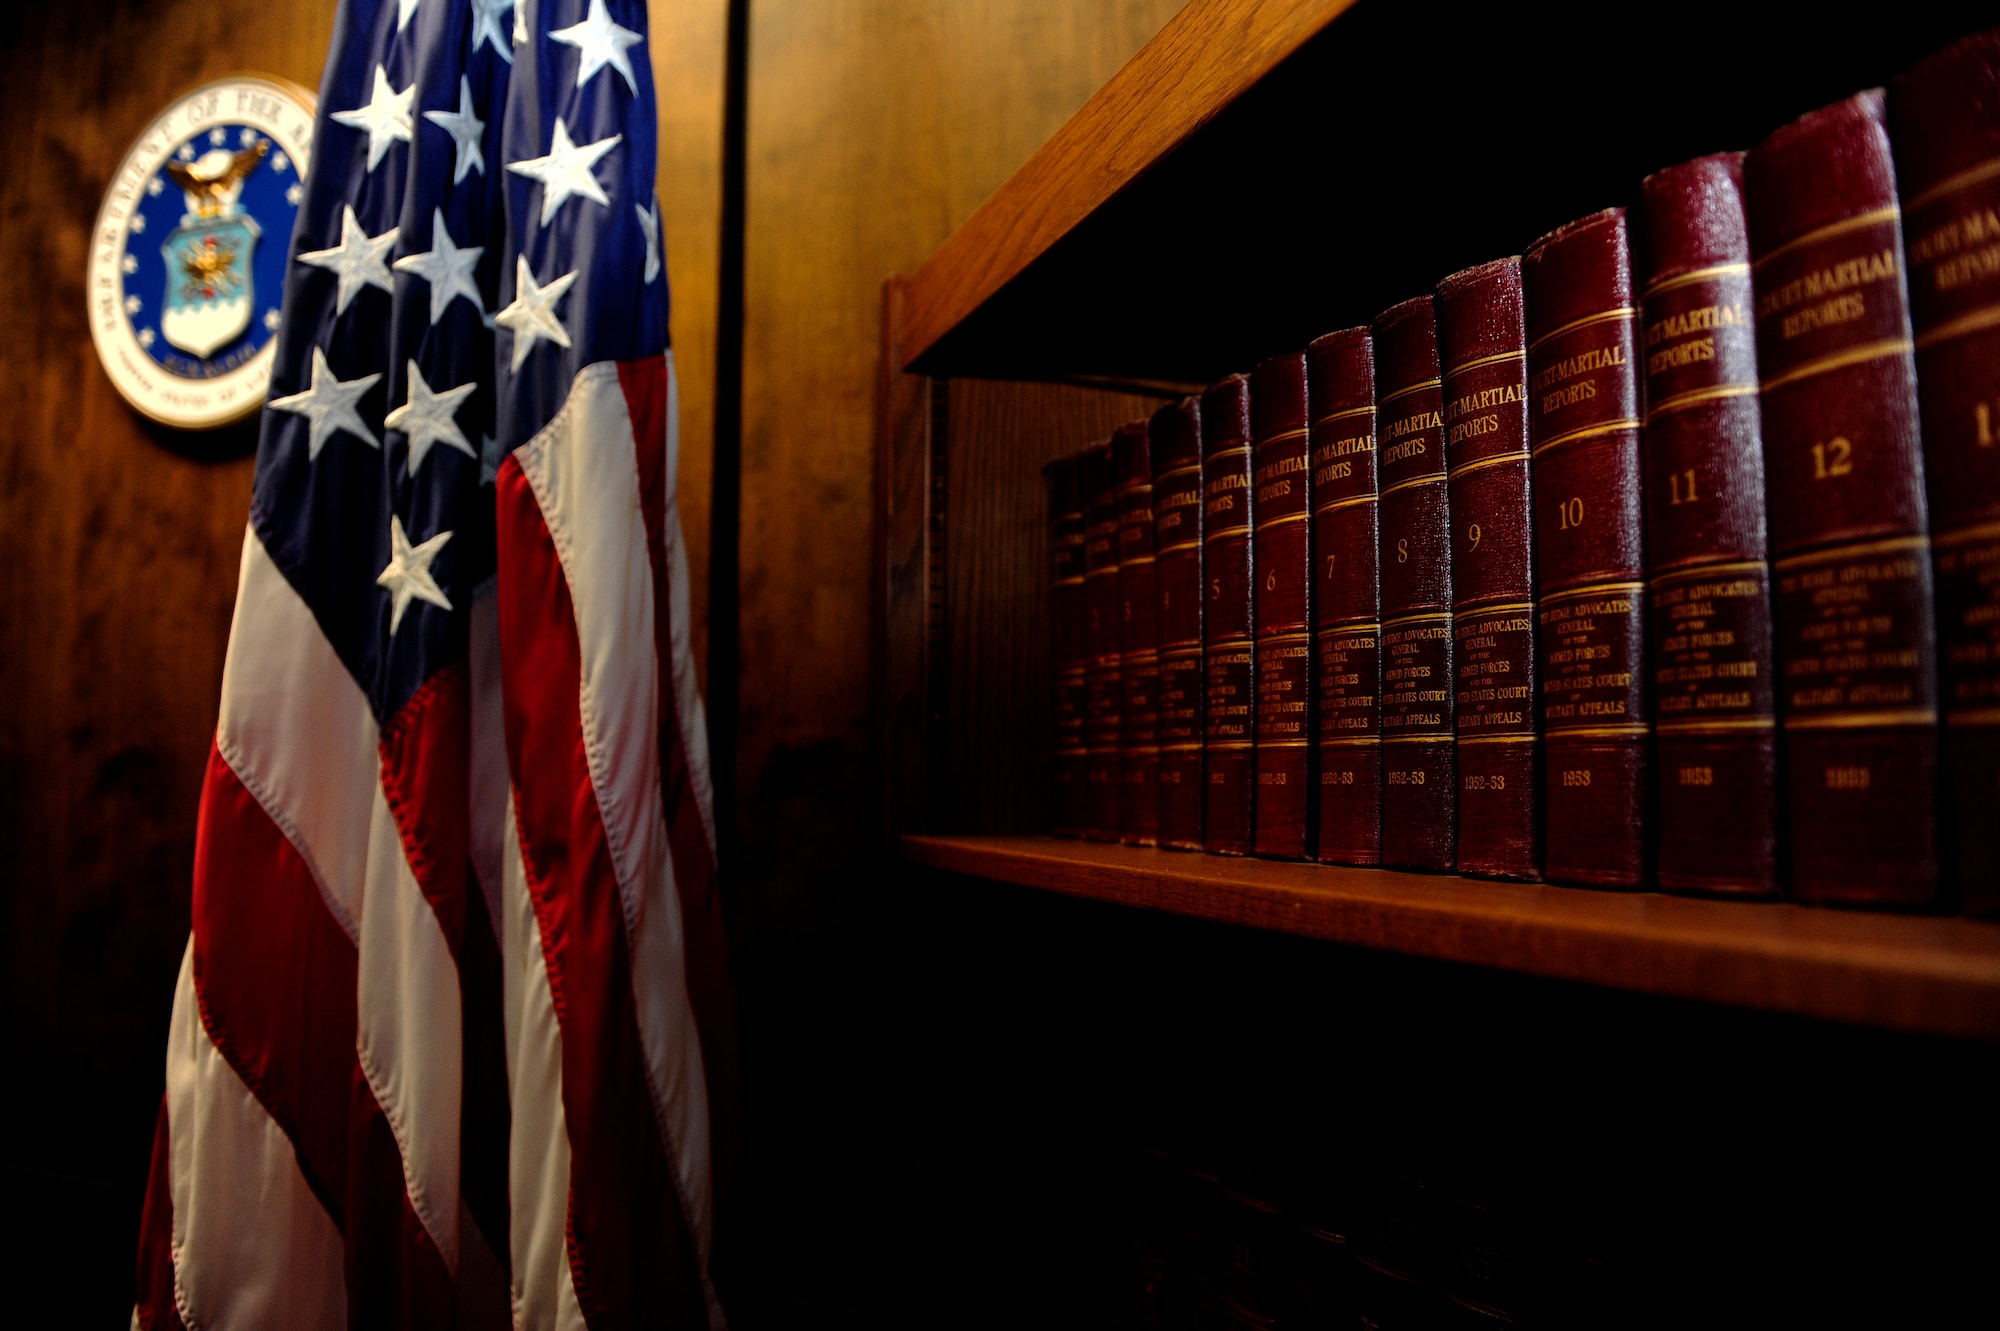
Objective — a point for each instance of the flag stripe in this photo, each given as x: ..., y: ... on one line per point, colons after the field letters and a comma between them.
x: 587, y: 473
x: 252, y: 1245
x: 153, y: 1307
x: 632, y: 1258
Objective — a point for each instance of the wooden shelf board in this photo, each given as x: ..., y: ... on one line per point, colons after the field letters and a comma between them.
x: 1939, y: 976
x: 1206, y: 57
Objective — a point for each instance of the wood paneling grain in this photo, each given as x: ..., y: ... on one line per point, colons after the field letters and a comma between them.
x: 875, y: 127
x: 998, y: 707
x: 1938, y: 976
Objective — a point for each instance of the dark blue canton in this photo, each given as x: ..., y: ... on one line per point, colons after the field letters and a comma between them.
x: 326, y: 520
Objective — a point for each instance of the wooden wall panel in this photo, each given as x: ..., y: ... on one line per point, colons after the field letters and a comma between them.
x: 999, y: 712
x: 875, y: 127
x: 121, y: 542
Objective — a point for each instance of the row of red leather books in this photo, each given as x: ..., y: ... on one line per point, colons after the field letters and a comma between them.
x: 1667, y: 554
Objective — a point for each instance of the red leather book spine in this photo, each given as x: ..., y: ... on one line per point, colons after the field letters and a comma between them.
x: 1283, y: 455
x: 1138, y: 640
x: 1419, y: 804
x: 1176, y: 438
x: 1347, y: 612
x: 1482, y: 342
x: 1857, y: 692
x: 1590, y: 562
x: 1104, y: 696
x: 1228, y: 652
x: 1944, y: 119
x: 1069, y: 652
x: 1708, y: 576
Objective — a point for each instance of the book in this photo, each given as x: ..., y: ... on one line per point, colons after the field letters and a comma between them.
x: 1482, y: 343
x: 1583, y: 425
x: 1347, y: 617
x: 1104, y: 695
x: 1708, y: 576
x: 1228, y: 653
x: 1068, y: 650
x: 1944, y: 121
x: 1176, y: 444
x: 1419, y: 805
x: 1851, y: 596
x: 1283, y: 457
x: 1138, y: 640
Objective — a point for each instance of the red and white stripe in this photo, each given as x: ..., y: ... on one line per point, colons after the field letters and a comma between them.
x: 607, y: 876
x: 316, y: 1070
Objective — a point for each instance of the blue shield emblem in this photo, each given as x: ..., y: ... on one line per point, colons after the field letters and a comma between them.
x: 210, y: 289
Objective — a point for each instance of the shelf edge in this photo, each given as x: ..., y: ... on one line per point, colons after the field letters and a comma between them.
x: 1919, y: 974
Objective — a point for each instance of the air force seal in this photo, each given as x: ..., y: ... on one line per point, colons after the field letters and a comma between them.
x: 187, y: 264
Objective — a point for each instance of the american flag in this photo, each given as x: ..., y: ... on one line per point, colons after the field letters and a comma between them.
x: 454, y: 1010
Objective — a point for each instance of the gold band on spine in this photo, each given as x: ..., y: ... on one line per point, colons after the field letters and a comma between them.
x: 1343, y: 415
x: 1349, y: 625
x: 1496, y: 608
x: 1284, y: 743
x: 1972, y: 175
x: 1283, y: 436
x: 1893, y: 545
x: 1598, y: 732
x: 1708, y: 571
x: 1178, y: 546
x: 1181, y: 748
x: 1906, y: 716
x: 1229, y: 452
x: 1978, y: 532
x: 1231, y: 745
x: 1734, y: 725
x: 1076, y: 581
x: 1191, y: 468
x: 1601, y: 317
x: 1428, y: 478
x: 1695, y: 275
x: 1419, y: 387
x: 1840, y: 360
x: 1349, y: 741
x: 1973, y: 716
x: 1423, y: 617
x: 1873, y: 217
x: 1478, y: 361
x: 1478, y: 464
x: 1441, y: 737
x: 1269, y: 523
x: 1618, y: 426
x: 1350, y: 502
x: 1594, y: 589
x: 1972, y: 321
x: 1242, y: 529
x: 1498, y: 739
x: 1286, y: 636
x: 1694, y: 397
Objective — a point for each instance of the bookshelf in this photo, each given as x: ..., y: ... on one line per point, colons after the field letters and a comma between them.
x: 1259, y: 173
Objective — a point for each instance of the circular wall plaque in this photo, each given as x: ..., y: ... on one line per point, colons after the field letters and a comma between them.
x: 187, y: 264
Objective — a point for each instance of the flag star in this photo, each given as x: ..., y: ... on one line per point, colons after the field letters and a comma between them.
x: 486, y: 27
x: 520, y: 27
x: 185, y: 152
x: 407, y: 575
x: 568, y: 169
x: 145, y: 337
x: 430, y: 418
x: 532, y: 315
x: 600, y: 42
x: 447, y: 267
x: 404, y: 9
x: 217, y: 138
x: 649, y: 222
x: 154, y: 186
x: 465, y: 127
x: 138, y: 223
x: 386, y: 116
x: 357, y: 260
x: 129, y: 264
x: 329, y: 405
x: 247, y: 137
x: 133, y: 305
x: 294, y: 194
x: 272, y: 320
x: 280, y: 163
x: 490, y: 458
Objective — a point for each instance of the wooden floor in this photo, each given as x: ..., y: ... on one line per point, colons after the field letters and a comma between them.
x: 1935, y: 975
